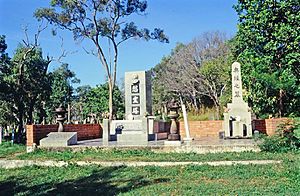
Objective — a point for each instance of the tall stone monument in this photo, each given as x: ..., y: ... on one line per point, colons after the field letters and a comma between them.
x: 138, y: 101
x: 237, y: 118
x: 138, y: 106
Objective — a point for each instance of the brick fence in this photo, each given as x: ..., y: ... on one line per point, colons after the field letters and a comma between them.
x: 34, y: 133
x: 268, y: 126
x: 211, y: 128
x: 198, y: 129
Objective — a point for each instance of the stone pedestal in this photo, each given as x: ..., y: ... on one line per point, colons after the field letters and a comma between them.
x: 132, y: 132
x: 59, y: 139
x: 173, y: 115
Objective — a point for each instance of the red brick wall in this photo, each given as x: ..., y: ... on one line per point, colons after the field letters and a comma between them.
x: 211, y: 128
x: 198, y: 129
x: 268, y: 126
x: 160, y: 126
x: 34, y: 133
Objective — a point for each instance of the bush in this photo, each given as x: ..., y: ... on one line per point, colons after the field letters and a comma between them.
x: 286, y: 138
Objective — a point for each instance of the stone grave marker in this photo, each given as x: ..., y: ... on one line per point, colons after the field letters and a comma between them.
x: 237, y: 119
x: 138, y: 101
x: 138, y: 105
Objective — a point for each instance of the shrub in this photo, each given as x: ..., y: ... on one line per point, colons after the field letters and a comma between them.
x: 286, y: 138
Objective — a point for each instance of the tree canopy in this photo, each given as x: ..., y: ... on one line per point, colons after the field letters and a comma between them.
x: 267, y: 44
x: 99, y: 21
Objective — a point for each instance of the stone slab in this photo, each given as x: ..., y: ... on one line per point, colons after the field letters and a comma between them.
x: 59, y: 139
x: 132, y: 139
x: 133, y: 125
x: 172, y: 143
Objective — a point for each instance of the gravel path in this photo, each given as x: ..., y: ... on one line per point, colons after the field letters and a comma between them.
x: 10, y: 164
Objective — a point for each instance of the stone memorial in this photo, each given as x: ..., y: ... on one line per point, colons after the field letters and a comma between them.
x: 138, y: 95
x: 237, y: 118
x: 138, y: 105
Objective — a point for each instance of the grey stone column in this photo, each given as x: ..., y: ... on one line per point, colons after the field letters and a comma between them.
x: 106, y: 132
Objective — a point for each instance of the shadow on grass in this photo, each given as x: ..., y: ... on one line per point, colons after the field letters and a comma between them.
x: 104, y: 181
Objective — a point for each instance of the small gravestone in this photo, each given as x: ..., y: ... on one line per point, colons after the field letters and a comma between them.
x: 237, y: 117
x: 138, y: 100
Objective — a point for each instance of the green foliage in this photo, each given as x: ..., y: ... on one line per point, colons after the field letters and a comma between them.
x: 267, y: 44
x: 96, y: 101
x: 24, y: 84
x: 285, y: 139
x: 61, y: 91
x: 99, y: 21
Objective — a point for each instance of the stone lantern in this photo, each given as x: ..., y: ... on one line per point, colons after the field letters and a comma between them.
x: 173, y: 115
x: 60, y: 117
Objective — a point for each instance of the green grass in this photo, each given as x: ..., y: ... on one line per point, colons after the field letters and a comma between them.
x: 7, y: 149
x: 273, y: 179
x: 147, y: 155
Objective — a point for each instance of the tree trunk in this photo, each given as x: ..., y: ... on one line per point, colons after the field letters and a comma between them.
x: 110, y: 101
x: 20, y: 122
x: 69, y: 113
x: 195, y: 102
x: 30, y: 112
x: 217, y: 105
x: 280, y: 103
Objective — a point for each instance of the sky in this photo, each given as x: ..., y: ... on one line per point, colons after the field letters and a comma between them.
x: 181, y: 20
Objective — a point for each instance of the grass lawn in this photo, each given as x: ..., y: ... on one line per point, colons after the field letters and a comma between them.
x: 8, y: 150
x: 274, y: 179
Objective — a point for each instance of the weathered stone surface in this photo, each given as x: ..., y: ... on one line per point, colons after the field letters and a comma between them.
x: 172, y: 143
x: 237, y: 119
x: 138, y: 95
x: 106, y: 132
x: 57, y: 139
x: 134, y: 132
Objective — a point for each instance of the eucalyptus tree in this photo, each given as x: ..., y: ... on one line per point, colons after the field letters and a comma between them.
x: 99, y: 21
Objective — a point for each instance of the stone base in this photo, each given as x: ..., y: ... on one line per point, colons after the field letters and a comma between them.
x: 173, y: 137
x: 238, y: 137
x: 172, y: 143
x: 188, y: 141
x: 59, y: 139
x: 138, y: 139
